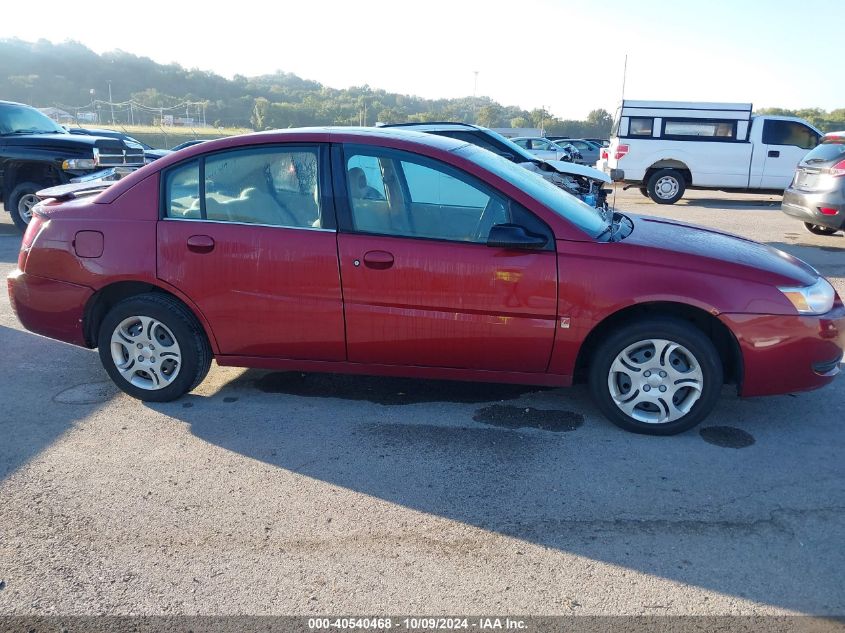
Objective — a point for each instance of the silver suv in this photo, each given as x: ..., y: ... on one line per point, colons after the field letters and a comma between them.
x: 817, y: 192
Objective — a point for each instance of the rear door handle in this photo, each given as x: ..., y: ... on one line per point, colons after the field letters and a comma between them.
x: 200, y: 244
x: 773, y: 153
x: 379, y: 260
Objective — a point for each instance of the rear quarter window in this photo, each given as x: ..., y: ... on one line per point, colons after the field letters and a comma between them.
x: 826, y: 152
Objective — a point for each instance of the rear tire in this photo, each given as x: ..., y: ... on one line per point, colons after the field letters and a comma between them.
x: 817, y: 229
x: 666, y: 186
x: 20, y: 203
x: 153, y: 347
x: 644, y: 192
x: 658, y: 376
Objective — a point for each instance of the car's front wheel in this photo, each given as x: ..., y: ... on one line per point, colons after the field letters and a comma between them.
x: 817, y: 229
x: 659, y: 376
x: 153, y: 348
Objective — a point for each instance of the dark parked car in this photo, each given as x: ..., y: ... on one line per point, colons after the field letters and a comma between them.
x: 446, y: 261
x: 150, y: 153
x: 816, y: 195
x: 36, y: 152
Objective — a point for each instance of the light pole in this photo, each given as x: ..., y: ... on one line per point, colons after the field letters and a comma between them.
x: 111, y: 104
x: 474, y: 93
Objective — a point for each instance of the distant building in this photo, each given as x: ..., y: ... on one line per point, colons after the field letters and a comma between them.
x: 59, y: 116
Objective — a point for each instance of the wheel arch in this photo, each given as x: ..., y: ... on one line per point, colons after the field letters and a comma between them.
x: 16, y: 172
x: 670, y: 163
x: 723, y: 339
x: 104, y: 298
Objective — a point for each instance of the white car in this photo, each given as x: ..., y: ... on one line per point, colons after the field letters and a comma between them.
x: 543, y: 148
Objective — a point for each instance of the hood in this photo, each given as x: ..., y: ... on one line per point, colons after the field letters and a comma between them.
x: 719, y: 250
x: 65, y: 141
x: 578, y: 170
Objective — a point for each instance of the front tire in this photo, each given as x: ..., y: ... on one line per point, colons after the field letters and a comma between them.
x: 666, y: 186
x: 817, y: 229
x: 659, y: 376
x: 153, y: 347
x: 21, y: 201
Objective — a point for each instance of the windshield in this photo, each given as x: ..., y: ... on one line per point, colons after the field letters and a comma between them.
x: 15, y: 119
x: 516, y: 149
x: 587, y: 218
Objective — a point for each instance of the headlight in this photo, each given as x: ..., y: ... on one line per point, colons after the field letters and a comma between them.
x: 815, y: 299
x: 72, y: 164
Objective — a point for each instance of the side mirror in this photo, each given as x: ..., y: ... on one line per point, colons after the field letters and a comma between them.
x: 515, y: 236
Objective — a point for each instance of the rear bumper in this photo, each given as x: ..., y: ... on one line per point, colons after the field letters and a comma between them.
x: 49, y: 307
x: 782, y: 354
x: 805, y: 206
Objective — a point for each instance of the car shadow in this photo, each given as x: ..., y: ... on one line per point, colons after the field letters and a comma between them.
x: 713, y: 509
x: 738, y: 204
x: 29, y: 425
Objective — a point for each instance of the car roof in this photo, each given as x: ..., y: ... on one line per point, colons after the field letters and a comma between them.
x: 13, y: 103
x: 434, y: 125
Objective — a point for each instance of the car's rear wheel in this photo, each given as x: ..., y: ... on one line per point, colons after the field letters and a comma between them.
x: 666, y: 186
x: 659, y: 376
x: 817, y: 229
x: 21, y: 202
x: 153, y: 348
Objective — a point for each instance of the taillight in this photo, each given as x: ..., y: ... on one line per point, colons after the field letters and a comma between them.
x: 828, y: 211
x: 838, y: 169
x: 36, y: 223
x: 621, y: 150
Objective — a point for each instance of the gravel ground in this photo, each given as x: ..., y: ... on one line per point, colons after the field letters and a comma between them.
x: 268, y: 493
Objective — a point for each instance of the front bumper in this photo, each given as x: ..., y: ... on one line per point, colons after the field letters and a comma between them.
x: 804, y: 206
x: 783, y: 354
x: 48, y: 307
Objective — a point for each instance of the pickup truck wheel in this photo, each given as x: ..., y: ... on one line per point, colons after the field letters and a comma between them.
x: 21, y: 201
x: 817, y: 229
x: 666, y: 186
x: 658, y: 376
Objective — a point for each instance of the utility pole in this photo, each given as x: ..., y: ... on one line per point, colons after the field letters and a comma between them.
x: 111, y: 103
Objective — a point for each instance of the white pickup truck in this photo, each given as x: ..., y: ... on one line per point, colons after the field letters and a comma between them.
x: 666, y: 147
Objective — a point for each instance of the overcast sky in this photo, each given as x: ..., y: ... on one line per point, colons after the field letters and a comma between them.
x: 566, y: 55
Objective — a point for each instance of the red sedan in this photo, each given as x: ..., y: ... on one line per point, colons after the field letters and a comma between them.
x: 396, y: 253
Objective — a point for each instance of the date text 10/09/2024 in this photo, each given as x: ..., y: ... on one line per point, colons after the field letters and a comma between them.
x: 417, y: 624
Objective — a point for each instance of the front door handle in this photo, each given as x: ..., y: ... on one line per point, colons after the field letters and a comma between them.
x: 379, y: 260
x: 200, y: 244
x: 773, y: 153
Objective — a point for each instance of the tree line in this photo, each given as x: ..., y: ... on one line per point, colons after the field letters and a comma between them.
x: 71, y: 76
